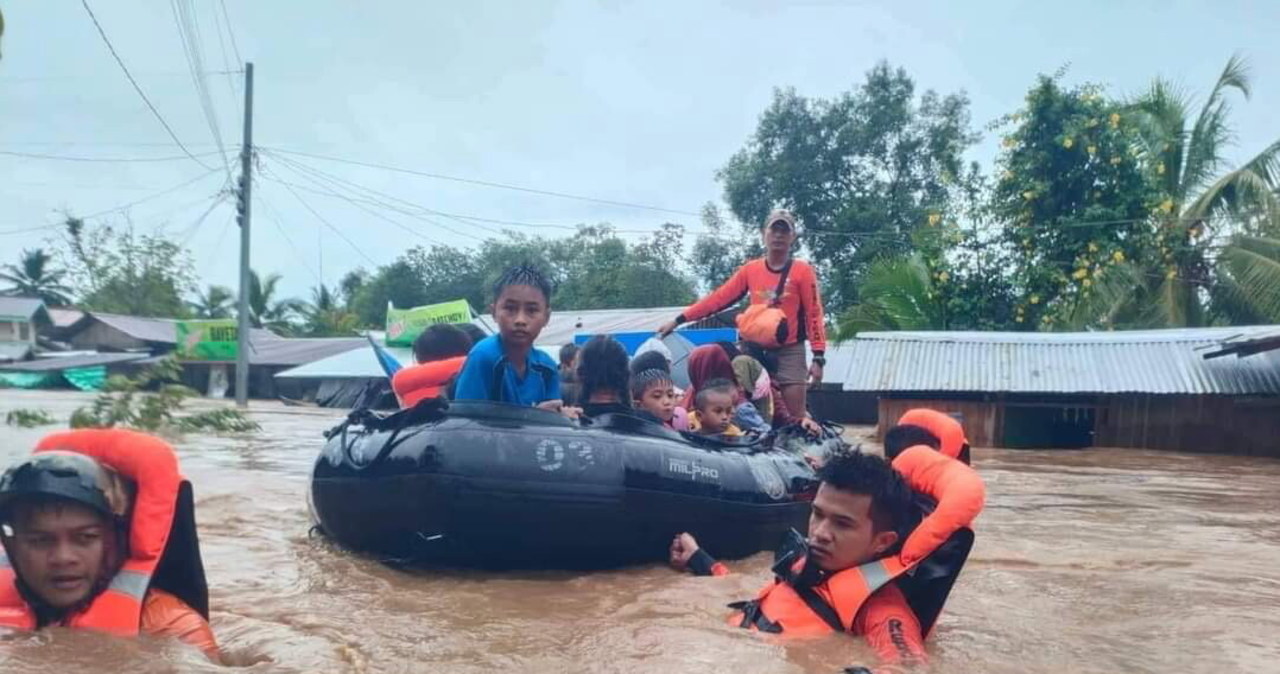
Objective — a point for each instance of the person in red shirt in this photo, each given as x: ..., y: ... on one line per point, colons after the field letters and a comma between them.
x: 801, y: 303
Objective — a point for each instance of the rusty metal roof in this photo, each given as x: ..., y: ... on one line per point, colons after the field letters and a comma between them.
x: 1138, y: 361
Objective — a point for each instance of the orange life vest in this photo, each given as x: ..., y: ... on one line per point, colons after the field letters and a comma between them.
x: 833, y: 604
x: 152, y: 465
x: 425, y: 380
x: 943, y: 426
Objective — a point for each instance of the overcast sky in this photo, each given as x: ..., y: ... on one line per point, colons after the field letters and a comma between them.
x: 637, y: 102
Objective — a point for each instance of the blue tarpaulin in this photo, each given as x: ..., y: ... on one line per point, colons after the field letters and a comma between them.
x: 632, y: 340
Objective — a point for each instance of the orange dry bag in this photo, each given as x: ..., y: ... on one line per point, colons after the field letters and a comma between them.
x: 766, y: 324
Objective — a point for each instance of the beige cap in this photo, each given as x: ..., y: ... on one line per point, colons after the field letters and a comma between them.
x: 780, y: 215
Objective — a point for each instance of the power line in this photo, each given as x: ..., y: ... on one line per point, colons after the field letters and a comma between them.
x: 136, y: 87
x: 330, y: 191
x: 486, y: 183
x: 222, y: 50
x: 274, y: 217
x: 156, y: 195
x: 195, y: 227
x: 330, y: 225
x: 117, y: 160
x: 230, y: 33
x: 189, y: 35
x: 304, y: 170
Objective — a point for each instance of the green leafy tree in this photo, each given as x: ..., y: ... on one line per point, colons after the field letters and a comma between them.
x: 33, y: 276
x: 718, y: 250
x: 214, y: 302
x: 325, y: 316
x: 862, y: 171
x: 1073, y: 199
x: 118, y: 271
x: 266, y: 310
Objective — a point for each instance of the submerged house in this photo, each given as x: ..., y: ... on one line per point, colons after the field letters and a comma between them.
x: 1148, y: 388
x: 21, y: 318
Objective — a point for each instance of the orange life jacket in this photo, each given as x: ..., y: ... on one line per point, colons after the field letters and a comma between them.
x: 832, y: 605
x: 944, y: 427
x: 425, y: 380
x: 152, y: 465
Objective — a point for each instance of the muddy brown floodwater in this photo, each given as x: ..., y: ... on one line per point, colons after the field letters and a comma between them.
x: 1090, y: 561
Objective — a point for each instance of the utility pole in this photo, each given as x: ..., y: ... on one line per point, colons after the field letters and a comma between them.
x: 242, y: 208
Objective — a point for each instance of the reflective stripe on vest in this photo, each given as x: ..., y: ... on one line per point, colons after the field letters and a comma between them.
x: 960, y: 495
x: 781, y: 608
x: 152, y: 465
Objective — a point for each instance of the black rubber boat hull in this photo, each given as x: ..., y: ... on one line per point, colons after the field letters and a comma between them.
x: 496, y: 486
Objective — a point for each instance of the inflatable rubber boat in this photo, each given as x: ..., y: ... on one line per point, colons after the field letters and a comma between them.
x: 479, y: 484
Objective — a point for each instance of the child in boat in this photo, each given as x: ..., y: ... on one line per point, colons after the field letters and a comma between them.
x: 652, y: 363
x: 653, y: 393
x: 603, y: 375
x: 506, y: 367
x: 569, y: 374
x: 440, y: 352
x: 711, y: 362
x: 713, y: 407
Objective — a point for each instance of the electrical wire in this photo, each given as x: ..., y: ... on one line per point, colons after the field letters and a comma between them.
x: 230, y: 33
x: 193, y: 49
x: 115, y: 160
x: 274, y: 216
x: 330, y: 225
x: 486, y: 183
x: 136, y: 86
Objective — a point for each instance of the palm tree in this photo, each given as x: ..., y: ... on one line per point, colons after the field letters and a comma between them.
x: 265, y: 311
x: 215, y: 302
x: 325, y: 317
x: 1185, y: 154
x: 897, y: 293
x: 1248, y: 288
x: 32, y: 277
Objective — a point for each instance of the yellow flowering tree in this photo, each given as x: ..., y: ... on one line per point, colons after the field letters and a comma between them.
x: 1071, y: 201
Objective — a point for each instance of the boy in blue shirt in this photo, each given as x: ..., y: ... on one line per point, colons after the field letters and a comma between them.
x: 506, y: 367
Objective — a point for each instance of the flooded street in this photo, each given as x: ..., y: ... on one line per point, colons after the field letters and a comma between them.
x: 1089, y: 561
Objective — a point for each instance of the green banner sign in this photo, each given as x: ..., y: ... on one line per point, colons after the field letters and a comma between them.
x: 404, y: 325
x: 207, y: 340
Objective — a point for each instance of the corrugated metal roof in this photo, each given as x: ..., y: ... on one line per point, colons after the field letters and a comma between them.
x: 161, y: 330
x: 14, y: 350
x: 70, y: 362
x: 65, y: 317
x: 20, y: 308
x: 267, y: 348
x: 353, y: 364
x: 1143, y: 361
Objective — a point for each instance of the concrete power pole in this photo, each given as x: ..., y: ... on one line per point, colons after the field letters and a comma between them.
x: 242, y: 206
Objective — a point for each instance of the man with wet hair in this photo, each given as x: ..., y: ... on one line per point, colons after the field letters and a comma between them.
x: 861, y: 513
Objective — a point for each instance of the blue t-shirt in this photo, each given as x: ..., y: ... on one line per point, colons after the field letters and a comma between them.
x: 488, y: 375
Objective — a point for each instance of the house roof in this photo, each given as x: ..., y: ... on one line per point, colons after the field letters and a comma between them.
x: 14, y: 351
x: 266, y: 348
x: 21, y: 308
x: 1142, y: 361
x: 65, y: 317
x: 71, y: 362
x: 160, y: 330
